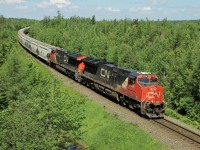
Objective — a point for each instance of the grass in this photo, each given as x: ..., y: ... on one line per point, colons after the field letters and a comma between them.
x: 105, y: 132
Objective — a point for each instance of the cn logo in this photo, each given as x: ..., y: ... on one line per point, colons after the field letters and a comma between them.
x: 105, y: 73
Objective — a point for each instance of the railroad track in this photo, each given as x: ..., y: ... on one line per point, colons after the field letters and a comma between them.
x: 180, y: 131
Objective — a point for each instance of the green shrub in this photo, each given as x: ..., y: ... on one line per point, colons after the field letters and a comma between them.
x: 41, y: 111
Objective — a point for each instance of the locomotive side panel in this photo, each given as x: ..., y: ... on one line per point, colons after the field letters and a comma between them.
x: 112, y: 76
x: 59, y: 56
x: 104, y: 75
x: 90, y: 71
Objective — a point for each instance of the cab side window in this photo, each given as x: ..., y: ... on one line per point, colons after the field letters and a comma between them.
x: 131, y: 80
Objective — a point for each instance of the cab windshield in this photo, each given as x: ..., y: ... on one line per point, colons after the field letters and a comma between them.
x: 148, y: 82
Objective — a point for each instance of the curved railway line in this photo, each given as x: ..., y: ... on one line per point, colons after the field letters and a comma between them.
x: 187, y: 135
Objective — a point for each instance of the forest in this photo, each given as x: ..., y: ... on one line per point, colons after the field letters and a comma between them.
x: 169, y: 49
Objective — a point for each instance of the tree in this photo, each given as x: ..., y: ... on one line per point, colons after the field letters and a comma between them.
x: 93, y: 21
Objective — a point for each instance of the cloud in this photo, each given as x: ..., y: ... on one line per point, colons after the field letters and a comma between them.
x: 98, y: 9
x: 110, y: 9
x: 158, y: 2
x: 56, y: 3
x: 60, y: 3
x: 44, y: 5
x: 11, y: 1
x: 145, y: 10
x: 20, y: 7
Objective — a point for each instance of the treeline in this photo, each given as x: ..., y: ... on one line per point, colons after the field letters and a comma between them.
x: 36, y: 110
x: 169, y: 49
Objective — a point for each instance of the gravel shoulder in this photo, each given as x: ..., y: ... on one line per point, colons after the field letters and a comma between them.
x: 167, y: 138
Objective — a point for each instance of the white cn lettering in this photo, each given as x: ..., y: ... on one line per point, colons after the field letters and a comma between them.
x: 105, y: 73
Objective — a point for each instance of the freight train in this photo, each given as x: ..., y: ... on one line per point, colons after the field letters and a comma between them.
x: 137, y: 90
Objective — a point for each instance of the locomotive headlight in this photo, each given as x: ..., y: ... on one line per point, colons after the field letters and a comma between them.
x: 151, y: 89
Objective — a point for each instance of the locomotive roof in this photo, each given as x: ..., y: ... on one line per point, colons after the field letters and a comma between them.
x: 110, y: 64
x: 124, y: 69
x: 93, y: 61
x: 63, y: 50
x: 137, y: 73
x: 74, y: 55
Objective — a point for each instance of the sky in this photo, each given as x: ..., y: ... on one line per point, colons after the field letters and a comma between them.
x: 103, y: 9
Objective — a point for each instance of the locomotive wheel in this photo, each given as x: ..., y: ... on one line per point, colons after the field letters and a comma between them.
x: 123, y: 101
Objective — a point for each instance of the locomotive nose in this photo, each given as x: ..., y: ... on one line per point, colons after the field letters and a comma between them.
x: 153, y: 94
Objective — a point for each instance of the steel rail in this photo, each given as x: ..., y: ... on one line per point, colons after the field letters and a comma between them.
x: 179, y: 130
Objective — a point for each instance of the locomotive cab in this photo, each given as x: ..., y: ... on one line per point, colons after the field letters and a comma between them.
x: 145, y: 89
x: 152, y: 99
